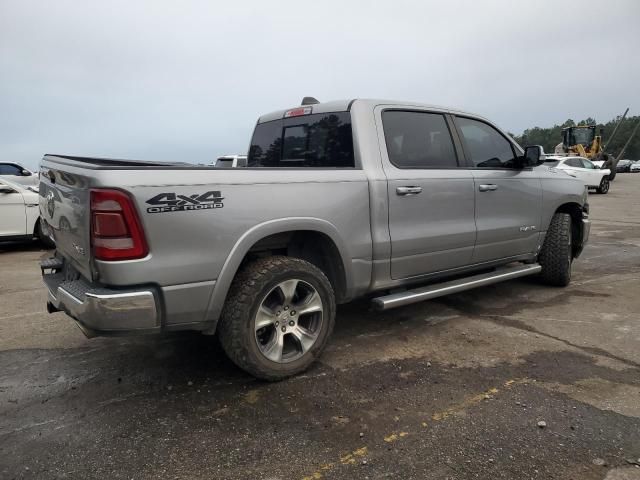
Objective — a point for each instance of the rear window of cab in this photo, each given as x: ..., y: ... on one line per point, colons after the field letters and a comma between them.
x: 322, y: 140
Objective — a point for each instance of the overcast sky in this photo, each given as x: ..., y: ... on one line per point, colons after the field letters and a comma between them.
x: 186, y: 80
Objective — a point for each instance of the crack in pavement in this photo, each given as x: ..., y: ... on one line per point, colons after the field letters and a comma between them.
x: 511, y: 322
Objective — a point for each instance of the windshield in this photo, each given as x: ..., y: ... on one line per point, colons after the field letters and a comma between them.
x: 224, y: 163
x: 583, y: 136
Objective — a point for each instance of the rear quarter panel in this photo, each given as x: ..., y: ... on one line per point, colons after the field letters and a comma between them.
x: 192, y: 246
x: 194, y: 255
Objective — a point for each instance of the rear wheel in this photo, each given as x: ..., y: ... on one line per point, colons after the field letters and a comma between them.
x: 604, y: 185
x: 278, y: 317
x: 556, y: 254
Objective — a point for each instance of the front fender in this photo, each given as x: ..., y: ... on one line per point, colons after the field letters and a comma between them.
x: 558, y: 191
x: 257, y: 233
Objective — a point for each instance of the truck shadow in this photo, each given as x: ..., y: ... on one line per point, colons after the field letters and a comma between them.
x: 22, y: 246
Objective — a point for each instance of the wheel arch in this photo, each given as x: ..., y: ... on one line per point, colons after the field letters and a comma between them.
x: 575, y: 210
x: 311, y: 239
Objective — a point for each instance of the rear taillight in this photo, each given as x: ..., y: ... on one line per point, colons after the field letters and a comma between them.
x: 116, y: 232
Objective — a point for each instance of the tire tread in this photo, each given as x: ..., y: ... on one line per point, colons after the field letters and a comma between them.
x: 553, y: 254
x: 249, y: 281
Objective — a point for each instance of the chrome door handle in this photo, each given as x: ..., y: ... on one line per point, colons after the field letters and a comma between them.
x: 488, y: 187
x: 408, y: 190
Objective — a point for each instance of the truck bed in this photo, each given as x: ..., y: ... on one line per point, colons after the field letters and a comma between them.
x: 97, y: 163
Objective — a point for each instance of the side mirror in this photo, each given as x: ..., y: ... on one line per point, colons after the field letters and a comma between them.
x: 26, y: 173
x: 533, y: 155
x: 6, y: 189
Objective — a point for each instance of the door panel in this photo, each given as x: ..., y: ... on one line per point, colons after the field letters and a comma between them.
x: 434, y: 230
x: 12, y: 214
x: 431, y: 200
x: 575, y: 168
x: 508, y: 199
x: 505, y: 215
x: 581, y: 174
x: 593, y: 174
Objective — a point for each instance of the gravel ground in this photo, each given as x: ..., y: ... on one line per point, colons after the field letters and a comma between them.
x: 516, y: 380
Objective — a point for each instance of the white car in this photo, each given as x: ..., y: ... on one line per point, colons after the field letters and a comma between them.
x: 230, y: 161
x: 635, y: 167
x: 582, y: 168
x: 16, y: 173
x: 19, y: 213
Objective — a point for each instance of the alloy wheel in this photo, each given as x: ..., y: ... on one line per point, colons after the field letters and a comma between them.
x: 288, y: 321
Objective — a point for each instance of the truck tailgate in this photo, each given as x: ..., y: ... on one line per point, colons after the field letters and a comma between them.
x: 64, y: 211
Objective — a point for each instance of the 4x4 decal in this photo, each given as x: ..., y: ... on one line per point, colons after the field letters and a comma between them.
x: 172, y: 202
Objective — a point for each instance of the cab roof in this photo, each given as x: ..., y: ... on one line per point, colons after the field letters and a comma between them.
x: 345, y: 106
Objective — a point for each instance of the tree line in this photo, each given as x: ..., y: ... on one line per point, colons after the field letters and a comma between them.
x: 550, y: 137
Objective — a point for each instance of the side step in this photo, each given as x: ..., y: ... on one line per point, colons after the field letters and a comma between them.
x: 440, y: 289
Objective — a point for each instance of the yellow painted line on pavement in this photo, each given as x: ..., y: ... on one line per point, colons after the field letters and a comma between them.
x: 395, y: 436
x: 466, y: 403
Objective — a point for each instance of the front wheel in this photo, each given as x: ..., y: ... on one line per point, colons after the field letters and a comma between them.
x: 278, y: 316
x: 556, y: 254
x: 604, y: 185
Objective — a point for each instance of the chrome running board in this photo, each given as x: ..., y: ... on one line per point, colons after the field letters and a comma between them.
x: 445, y: 288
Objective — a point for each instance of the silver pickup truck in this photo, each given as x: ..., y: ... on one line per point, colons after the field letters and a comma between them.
x: 398, y: 201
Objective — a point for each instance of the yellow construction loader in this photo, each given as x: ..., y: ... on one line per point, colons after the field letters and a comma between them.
x: 581, y: 140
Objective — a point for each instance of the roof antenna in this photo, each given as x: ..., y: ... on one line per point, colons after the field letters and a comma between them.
x: 309, y: 101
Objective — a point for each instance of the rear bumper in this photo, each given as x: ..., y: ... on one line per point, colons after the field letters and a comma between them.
x: 103, y: 311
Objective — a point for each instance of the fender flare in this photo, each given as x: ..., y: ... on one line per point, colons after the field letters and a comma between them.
x: 257, y: 233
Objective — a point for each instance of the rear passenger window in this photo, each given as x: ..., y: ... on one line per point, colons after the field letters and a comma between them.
x: 587, y: 164
x: 318, y: 140
x: 418, y: 140
x: 574, y: 162
x: 485, y: 145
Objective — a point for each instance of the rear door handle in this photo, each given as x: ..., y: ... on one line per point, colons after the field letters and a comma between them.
x: 408, y: 190
x: 490, y: 187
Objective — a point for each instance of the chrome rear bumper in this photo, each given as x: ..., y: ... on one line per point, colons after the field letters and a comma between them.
x: 103, y: 311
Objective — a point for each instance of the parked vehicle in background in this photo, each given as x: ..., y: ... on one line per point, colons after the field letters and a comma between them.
x: 635, y: 167
x: 19, y: 214
x: 583, y: 169
x: 624, y: 166
x: 231, y: 161
x: 18, y: 174
x: 339, y: 200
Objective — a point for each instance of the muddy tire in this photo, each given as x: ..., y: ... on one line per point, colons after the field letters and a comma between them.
x: 603, y: 188
x: 277, y: 318
x: 556, y: 254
